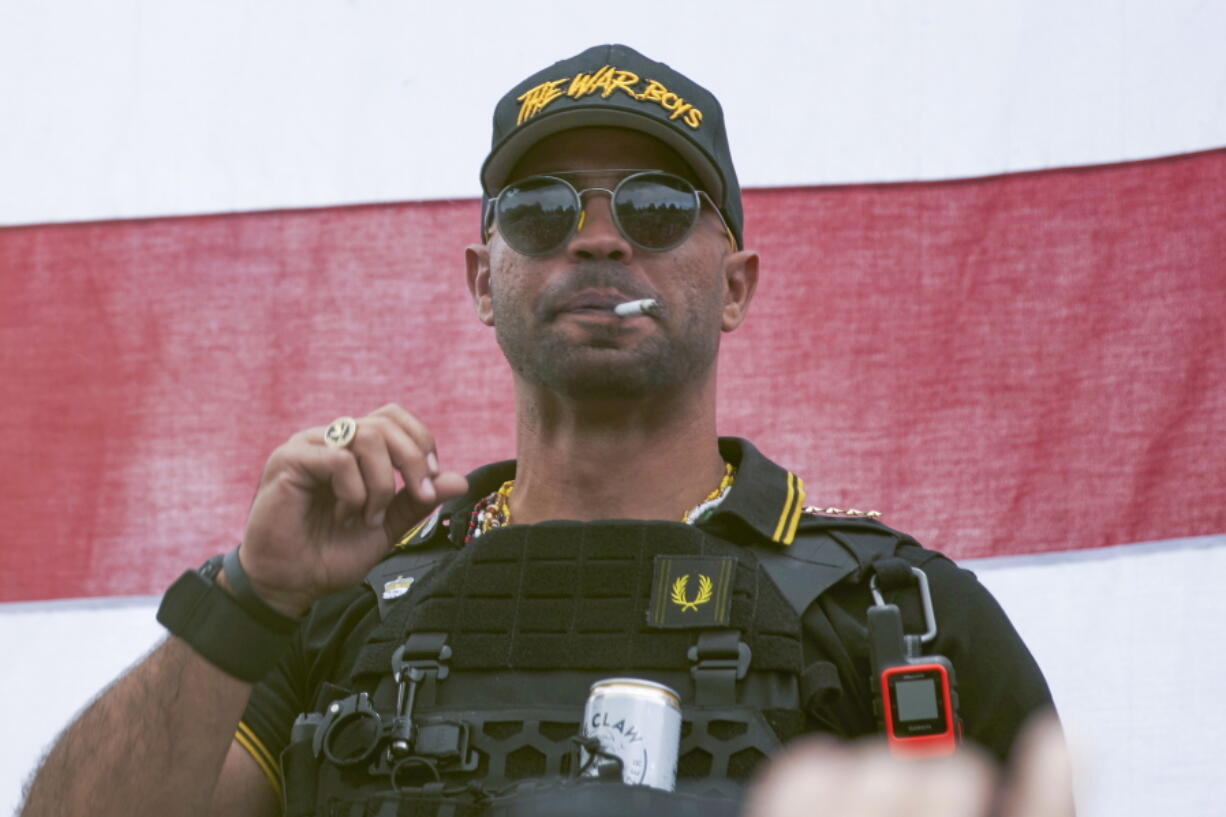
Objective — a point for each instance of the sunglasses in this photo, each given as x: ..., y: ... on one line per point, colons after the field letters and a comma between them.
x: 653, y: 210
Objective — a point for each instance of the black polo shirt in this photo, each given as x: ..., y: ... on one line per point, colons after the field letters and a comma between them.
x: 999, y: 682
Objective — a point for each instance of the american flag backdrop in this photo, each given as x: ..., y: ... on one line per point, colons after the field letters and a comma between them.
x: 993, y: 305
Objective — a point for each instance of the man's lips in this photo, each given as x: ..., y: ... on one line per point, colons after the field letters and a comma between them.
x: 593, y: 301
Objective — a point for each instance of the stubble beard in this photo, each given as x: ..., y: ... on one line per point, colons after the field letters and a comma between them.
x: 603, y: 366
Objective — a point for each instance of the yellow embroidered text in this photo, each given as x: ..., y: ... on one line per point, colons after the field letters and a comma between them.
x: 606, y: 81
x: 534, y: 100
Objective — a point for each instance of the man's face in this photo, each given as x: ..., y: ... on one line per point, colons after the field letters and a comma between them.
x: 551, y: 314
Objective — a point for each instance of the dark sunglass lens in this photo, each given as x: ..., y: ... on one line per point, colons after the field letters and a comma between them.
x: 535, y: 216
x: 656, y: 210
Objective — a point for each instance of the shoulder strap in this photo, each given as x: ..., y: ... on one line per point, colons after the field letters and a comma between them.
x: 826, y: 550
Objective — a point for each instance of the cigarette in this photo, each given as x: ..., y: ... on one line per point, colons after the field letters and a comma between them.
x: 630, y: 309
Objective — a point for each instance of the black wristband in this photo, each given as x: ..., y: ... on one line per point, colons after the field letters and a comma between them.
x: 245, y: 595
x: 218, y: 628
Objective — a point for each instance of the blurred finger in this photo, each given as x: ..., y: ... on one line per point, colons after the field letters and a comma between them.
x: 961, y: 785
x: 1041, y: 782
x: 865, y: 780
x: 799, y: 782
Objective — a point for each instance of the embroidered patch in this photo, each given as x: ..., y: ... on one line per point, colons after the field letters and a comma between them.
x: 397, y: 587
x: 605, y: 81
x: 691, y: 591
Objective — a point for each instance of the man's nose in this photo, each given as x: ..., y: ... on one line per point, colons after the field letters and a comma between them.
x: 597, y: 237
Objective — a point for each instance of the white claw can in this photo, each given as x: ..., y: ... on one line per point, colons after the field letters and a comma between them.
x: 639, y: 722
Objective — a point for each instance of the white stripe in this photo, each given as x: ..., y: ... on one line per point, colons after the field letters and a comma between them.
x: 1092, y: 555
x: 1129, y: 638
x: 133, y: 108
x: 61, y: 654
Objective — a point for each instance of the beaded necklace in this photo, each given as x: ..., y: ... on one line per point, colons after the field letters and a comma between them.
x: 494, y: 511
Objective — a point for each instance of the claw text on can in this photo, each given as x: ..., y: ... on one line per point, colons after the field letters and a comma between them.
x: 639, y: 722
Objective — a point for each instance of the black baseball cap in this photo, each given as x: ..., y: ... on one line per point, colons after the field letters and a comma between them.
x: 616, y: 86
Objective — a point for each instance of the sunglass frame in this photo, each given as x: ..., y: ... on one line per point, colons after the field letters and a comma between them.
x: 578, y: 213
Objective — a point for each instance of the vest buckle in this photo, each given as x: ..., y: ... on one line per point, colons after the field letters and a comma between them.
x: 718, y: 660
x: 417, y: 665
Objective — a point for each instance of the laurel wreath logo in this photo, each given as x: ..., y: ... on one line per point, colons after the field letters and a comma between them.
x: 705, y: 591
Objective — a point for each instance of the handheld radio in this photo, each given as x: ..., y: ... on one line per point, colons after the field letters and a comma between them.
x: 915, y: 695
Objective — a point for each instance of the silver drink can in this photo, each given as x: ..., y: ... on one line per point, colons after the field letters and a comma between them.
x: 639, y: 722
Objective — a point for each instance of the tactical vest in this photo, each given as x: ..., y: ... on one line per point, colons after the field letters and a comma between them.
x: 468, y: 695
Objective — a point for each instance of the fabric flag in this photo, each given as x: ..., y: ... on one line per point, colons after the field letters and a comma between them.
x: 1009, y: 365
x: 1004, y: 366
x: 1023, y: 369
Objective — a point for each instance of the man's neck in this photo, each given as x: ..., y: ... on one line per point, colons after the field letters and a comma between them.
x: 652, y: 459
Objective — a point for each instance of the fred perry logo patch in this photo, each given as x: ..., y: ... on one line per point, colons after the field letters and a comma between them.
x: 691, y: 591
x: 705, y: 591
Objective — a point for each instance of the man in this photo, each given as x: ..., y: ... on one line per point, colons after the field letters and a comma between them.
x: 366, y: 648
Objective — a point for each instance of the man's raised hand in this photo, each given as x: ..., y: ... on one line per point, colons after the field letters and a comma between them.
x: 324, y: 516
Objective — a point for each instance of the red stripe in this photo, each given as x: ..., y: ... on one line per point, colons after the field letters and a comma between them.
x: 1016, y: 364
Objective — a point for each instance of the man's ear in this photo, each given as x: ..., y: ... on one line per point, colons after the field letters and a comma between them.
x: 477, y: 261
x: 740, y: 281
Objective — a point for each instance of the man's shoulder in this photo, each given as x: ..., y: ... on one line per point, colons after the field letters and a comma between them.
x: 864, y: 534
x: 826, y: 550
x: 779, y: 503
x: 333, y: 622
x: 842, y: 540
x: 861, y: 527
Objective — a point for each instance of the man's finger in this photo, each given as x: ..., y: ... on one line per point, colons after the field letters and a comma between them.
x: 1041, y: 782
x: 416, y: 430
x: 806, y: 774
x: 410, y: 461
x: 335, y: 469
x: 406, y: 510
x: 371, y: 451
x: 819, y: 776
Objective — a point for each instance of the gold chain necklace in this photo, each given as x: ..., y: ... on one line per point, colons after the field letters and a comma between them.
x: 495, y: 510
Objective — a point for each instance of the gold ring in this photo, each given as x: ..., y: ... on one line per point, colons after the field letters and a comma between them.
x: 340, y: 433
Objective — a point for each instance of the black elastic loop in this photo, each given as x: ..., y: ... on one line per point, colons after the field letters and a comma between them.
x: 352, y: 738
x: 893, y: 573
x: 249, y: 600
x: 404, y: 764
x: 427, y: 646
x: 819, y: 686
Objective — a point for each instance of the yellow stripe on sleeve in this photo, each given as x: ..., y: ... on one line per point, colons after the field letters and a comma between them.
x: 786, y: 515
x: 259, y: 752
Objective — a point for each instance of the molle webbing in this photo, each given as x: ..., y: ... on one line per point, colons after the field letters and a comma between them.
x: 574, y: 596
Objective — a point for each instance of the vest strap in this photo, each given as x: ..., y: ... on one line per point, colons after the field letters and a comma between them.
x: 717, y: 661
x: 819, y: 685
x: 421, y: 662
